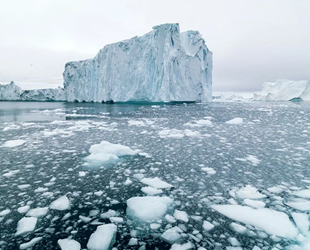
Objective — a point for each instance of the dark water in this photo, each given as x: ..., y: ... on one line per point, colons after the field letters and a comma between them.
x: 270, y: 148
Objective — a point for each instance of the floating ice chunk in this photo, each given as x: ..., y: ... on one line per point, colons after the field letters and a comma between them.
x: 171, y: 133
x: 106, y: 151
x: 233, y: 241
x: 299, y: 205
x: 204, y: 123
x: 271, y: 221
x: 302, y: 193
x: 180, y: 215
x: 133, y: 242
x: 256, y: 248
x: 249, y: 192
x: 185, y: 246
x: 207, y: 225
x: 26, y: 225
x: 235, y: 121
x: 62, y: 203
x: 253, y: 159
x: 110, y: 213
x: 23, y: 210
x: 238, y: 228
x: 84, y: 218
x: 31, y: 243
x: 40, y: 190
x: 69, y: 244
x: 254, y: 204
x: 103, y: 238
x: 116, y: 219
x: 13, y: 143
x: 302, y: 222
x: 135, y: 123
x: 275, y: 190
x: 148, y: 208
x: 155, y: 226
x: 98, y: 193
x: 23, y: 186
x: 171, y: 235
x: 156, y: 183
x: 151, y: 190
x: 11, y: 173
x: 138, y: 176
x: 210, y: 171
x: 5, y: 212
x: 37, y: 212
x: 170, y: 218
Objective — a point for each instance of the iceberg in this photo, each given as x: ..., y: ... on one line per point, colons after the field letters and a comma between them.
x: 164, y: 65
x: 12, y: 92
x: 284, y: 90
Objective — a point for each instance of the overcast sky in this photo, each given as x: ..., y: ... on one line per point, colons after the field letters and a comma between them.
x: 252, y: 41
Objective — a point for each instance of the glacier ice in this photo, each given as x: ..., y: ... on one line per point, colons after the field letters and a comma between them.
x: 284, y: 90
x: 164, y: 65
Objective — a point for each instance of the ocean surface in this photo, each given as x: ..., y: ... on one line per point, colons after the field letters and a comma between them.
x: 240, y: 172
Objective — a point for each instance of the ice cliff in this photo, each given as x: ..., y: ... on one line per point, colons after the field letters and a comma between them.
x: 284, y: 90
x: 12, y: 92
x: 164, y: 65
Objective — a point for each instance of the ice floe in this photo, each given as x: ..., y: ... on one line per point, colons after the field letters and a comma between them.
x: 103, y: 238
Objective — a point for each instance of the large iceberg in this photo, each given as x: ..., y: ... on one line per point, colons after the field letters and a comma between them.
x: 284, y: 90
x: 164, y: 65
x: 12, y: 92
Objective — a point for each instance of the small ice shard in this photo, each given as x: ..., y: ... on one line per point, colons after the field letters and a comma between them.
x: 249, y: 192
x: 37, y: 212
x: 235, y: 121
x: 13, y: 143
x: 23, y: 210
x: 271, y: 221
x: 207, y: 225
x: 31, y: 243
x: 151, y: 190
x: 62, y: 203
x: 185, y: 246
x: 148, y: 208
x: 156, y: 183
x: 26, y: 225
x: 103, y: 238
x: 106, y: 151
x: 253, y: 159
x: 171, y: 235
x: 180, y: 215
x: 69, y: 244
x: 238, y: 228
x: 116, y: 219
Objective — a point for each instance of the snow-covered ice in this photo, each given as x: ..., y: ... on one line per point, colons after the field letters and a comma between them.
x: 26, y: 225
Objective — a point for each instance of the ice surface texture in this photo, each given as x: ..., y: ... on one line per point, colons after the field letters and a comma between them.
x: 164, y: 65
x: 284, y: 90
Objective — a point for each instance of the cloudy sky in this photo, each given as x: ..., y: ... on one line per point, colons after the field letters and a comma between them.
x: 252, y: 41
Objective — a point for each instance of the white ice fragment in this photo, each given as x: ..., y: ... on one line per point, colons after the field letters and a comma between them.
x: 23, y: 186
x: 299, y: 205
x: 103, y: 238
x: 170, y: 218
x: 31, y: 243
x: 180, y: 215
x: 26, y: 225
x: 5, y: 212
x: 249, y: 192
x: 302, y: 193
x: 133, y: 242
x: 271, y: 221
x: 155, y: 226
x: 207, y: 225
x: 69, y: 244
x: 106, y: 151
x: 62, y: 203
x: 235, y: 121
x: 151, y: 190
x: 23, y: 210
x: 13, y: 143
x: 116, y: 219
x: 185, y: 246
x: 233, y: 241
x: 253, y: 159
x: 171, y: 235
x: 254, y: 203
x: 238, y: 228
x: 148, y: 208
x: 84, y: 218
x: 156, y: 183
x: 302, y: 222
x: 37, y: 212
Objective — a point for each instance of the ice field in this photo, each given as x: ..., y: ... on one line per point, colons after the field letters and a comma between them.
x: 186, y: 176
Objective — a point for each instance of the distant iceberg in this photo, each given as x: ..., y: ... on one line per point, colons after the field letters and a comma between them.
x: 164, y: 65
x: 284, y: 90
x: 12, y: 92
